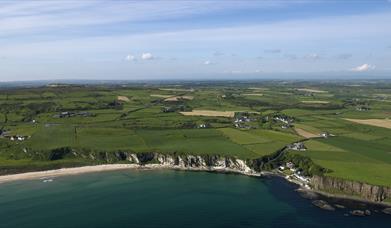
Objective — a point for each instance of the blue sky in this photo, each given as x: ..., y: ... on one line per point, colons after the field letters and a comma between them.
x: 141, y: 40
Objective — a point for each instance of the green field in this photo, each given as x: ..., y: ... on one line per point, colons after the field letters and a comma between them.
x: 100, y: 123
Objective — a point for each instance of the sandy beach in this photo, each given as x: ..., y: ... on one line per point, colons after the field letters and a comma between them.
x: 109, y: 167
x: 65, y: 171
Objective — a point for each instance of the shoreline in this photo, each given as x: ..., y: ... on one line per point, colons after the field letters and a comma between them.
x: 110, y: 167
x: 345, y: 197
x: 48, y: 174
x: 64, y: 172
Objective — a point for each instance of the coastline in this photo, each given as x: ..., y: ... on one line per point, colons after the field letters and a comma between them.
x: 64, y: 172
x: 110, y: 167
x: 48, y: 174
x: 344, y: 197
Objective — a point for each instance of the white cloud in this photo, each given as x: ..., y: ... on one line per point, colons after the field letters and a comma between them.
x: 207, y: 62
x: 363, y: 68
x: 300, y: 31
x: 130, y: 58
x: 147, y: 56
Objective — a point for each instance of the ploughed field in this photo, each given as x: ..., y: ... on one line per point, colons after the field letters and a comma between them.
x: 246, y: 121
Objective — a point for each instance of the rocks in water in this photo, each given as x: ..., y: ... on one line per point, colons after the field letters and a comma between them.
x: 360, y: 212
x: 308, y: 194
x: 387, y: 211
x: 339, y: 206
x: 357, y: 213
x: 323, y: 205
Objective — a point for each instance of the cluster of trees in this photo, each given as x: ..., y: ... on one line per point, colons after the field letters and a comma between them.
x: 177, y: 108
x: 308, y: 167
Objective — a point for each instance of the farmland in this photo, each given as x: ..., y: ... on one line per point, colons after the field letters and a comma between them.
x: 243, y: 120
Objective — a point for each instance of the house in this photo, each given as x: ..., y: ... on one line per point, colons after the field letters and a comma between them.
x: 301, y: 178
x: 283, y: 118
x: 202, y: 126
x: 168, y: 109
x: 72, y: 114
x: 243, y: 118
x: 326, y: 134
x: 63, y: 115
x: 20, y: 138
x: 17, y: 137
x: 362, y: 108
x: 299, y: 146
x: 290, y: 165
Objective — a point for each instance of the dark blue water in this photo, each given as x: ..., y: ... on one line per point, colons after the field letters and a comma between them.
x: 166, y: 199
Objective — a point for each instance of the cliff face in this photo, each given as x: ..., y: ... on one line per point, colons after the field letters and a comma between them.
x: 230, y: 164
x: 191, y: 162
x: 353, y: 188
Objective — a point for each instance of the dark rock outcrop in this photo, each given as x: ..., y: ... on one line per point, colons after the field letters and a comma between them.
x: 357, y: 213
x: 387, y: 211
x: 323, y: 205
x: 360, y: 213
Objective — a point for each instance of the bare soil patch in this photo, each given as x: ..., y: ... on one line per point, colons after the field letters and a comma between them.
x: 161, y: 96
x: 209, y: 113
x: 305, y: 134
x: 312, y: 90
x: 315, y: 102
x: 176, y: 98
x: 386, y: 123
x: 123, y: 98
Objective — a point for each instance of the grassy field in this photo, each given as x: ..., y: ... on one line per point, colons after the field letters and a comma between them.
x: 135, y: 118
x: 353, y: 159
x: 261, y: 142
x: 357, y: 152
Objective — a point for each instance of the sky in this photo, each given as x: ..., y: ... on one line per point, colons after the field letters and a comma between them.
x: 191, y: 40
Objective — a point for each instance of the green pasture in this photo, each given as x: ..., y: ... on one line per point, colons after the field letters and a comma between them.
x: 357, y: 152
x: 352, y: 158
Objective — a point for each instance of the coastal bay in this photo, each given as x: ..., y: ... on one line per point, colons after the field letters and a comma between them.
x: 166, y: 198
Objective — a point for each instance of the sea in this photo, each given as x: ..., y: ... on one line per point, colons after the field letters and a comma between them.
x: 167, y: 198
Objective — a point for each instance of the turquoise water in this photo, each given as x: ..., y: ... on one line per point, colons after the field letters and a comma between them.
x: 166, y: 199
